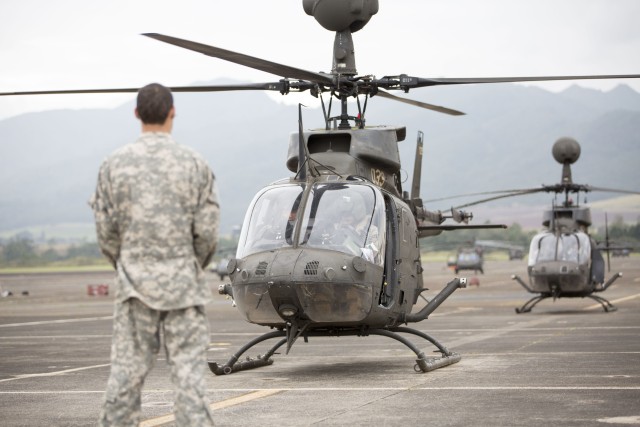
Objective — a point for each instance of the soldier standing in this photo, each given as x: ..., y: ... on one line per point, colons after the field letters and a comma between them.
x: 156, y: 213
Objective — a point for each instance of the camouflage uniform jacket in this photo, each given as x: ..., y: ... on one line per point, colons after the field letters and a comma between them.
x: 156, y: 213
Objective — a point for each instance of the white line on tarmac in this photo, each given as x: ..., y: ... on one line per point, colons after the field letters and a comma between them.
x: 437, y: 388
x: 594, y: 306
x: 59, y: 392
x: 233, y: 334
x: 54, y: 337
x: 52, y: 374
x: 531, y: 388
x: 550, y: 328
x: 47, y: 322
x: 255, y: 393
x: 457, y: 311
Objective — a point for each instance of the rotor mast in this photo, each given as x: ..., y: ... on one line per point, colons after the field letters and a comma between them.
x: 566, y: 151
x: 344, y: 58
x: 344, y: 17
x: 344, y: 64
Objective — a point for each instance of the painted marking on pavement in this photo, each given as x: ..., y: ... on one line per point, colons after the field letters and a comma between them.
x: 52, y: 374
x: 594, y: 306
x: 457, y: 311
x: 634, y: 420
x: 238, y: 400
x: 255, y: 393
x: 48, y: 322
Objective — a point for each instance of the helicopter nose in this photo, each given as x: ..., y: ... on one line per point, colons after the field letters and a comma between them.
x: 285, y: 300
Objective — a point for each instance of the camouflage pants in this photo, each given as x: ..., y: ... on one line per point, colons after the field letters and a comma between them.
x: 137, y: 332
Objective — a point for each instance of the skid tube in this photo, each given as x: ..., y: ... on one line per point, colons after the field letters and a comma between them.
x: 605, y: 303
x: 423, y: 363
x: 527, y: 306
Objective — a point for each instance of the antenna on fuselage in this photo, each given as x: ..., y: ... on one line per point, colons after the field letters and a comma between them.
x: 417, y: 168
x: 303, y: 153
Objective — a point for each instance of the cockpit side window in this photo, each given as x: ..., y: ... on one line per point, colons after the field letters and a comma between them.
x: 270, y: 220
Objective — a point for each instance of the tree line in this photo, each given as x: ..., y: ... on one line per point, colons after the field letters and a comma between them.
x: 22, y: 251
x: 619, y: 232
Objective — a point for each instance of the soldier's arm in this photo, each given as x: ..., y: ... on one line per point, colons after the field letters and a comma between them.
x: 206, y: 219
x: 103, y: 211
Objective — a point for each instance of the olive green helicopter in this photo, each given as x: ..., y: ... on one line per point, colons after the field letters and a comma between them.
x: 334, y: 249
x: 564, y: 260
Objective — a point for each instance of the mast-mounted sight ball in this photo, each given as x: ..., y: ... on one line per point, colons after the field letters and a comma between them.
x: 340, y: 15
x: 566, y: 150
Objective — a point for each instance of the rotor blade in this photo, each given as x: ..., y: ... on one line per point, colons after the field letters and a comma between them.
x: 612, y: 190
x: 450, y: 227
x: 557, y: 188
x: 606, y: 227
x: 411, y: 82
x: 482, y: 194
x: 246, y: 60
x: 522, y: 193
x: 73, y: 91
x: 276, y: 86
x: 420, y: 104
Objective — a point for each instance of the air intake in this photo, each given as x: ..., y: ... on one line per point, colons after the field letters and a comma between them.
x: 311, y: 269
x: 261, y: 269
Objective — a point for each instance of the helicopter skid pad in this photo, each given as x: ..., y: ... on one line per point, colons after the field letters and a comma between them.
x: 432, y: 363
x: 239, y: 366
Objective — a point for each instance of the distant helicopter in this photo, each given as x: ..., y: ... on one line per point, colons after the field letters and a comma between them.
x: 333, y: 250
x: 470, y: 256
x: 564, y: 260
x: 514, y: 251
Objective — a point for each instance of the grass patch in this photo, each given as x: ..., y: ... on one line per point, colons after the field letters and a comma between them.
x: 57, y: 269
x: 442, y: 256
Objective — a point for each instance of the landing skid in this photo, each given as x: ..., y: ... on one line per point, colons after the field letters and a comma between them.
x: 527, y: 306
x: 606, y: 305
x: 423, y: 363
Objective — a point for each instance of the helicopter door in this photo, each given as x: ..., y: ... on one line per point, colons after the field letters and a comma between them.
x: 597, y: 264
x: 390, y: 276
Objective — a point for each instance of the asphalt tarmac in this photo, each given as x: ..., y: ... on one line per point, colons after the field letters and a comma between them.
x: 567, y: 363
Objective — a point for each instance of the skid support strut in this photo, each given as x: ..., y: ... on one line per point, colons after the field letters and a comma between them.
x: 423, y: 363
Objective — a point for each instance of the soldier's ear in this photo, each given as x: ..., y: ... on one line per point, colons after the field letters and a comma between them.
x: 135, y: 111
x: 172, y: 112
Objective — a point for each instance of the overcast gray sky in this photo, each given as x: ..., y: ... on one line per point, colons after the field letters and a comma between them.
x: 79, y: 44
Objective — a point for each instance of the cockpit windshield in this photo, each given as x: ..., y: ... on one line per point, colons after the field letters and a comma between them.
x: 347, y: 218
x: 343, y: 217
x: 574, y: 247
x: 270, y: 220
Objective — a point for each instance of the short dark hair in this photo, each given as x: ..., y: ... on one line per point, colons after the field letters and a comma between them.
x: 154, y: 103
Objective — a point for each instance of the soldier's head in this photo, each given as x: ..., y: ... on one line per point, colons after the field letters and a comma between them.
x: 154, y: 104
